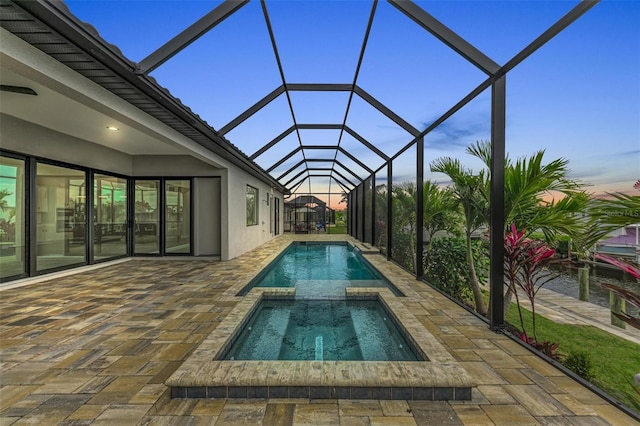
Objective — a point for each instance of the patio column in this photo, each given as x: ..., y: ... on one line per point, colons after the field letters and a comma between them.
x: 389, y: 209
x: 419, y: 208
x: 496, y: 221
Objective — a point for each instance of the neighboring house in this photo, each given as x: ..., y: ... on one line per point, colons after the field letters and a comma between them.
x: 307, y: 213
x: 103, y: 163
x: 624, y: 242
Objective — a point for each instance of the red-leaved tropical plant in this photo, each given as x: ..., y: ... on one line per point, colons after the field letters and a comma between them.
x: 626, y: 294
x: 526, y: 264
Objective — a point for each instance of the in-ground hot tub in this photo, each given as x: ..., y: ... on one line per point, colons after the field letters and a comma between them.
x: 319, y: 330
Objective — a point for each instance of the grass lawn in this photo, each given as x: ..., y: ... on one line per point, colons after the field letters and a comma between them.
x: 338, y: 228
x: 615, y: 360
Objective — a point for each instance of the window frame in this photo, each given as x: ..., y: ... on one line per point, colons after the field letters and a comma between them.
x: 252, y: 216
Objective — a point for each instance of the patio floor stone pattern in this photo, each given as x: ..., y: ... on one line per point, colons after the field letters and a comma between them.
x: 97, y: 347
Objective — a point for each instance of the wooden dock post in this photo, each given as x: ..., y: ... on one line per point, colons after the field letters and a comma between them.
x: 618, y: 305
x: 583, y: 282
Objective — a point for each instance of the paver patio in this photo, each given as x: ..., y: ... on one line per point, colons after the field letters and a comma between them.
x: 97, y: 347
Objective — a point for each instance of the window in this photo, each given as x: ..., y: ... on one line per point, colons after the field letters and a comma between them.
x: 252, y: 206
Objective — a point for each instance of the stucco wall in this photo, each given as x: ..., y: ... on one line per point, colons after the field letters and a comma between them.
x: 207, y: 205
x: 171, y: 165
x: 242, y: 237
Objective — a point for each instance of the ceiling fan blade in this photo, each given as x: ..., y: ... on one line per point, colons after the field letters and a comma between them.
x: 18, y: 89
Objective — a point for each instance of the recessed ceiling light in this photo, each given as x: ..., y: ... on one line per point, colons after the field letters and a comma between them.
x: 114, y: 128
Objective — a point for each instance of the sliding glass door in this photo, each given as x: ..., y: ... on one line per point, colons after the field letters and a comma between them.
x: 13, y: 262
x: 109, y: 216
x: 147, y: 216
x: 162, y: 218
x: 60, y: 217
x: 177, y: 216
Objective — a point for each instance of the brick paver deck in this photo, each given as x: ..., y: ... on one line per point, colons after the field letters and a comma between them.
x: 97, y: 347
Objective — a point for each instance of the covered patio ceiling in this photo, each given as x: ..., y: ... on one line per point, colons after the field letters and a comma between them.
x: 319, y: 95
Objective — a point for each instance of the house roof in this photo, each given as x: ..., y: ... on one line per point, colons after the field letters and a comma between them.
x: 302, y: 200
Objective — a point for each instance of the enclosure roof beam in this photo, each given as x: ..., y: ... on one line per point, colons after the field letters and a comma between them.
x: 329, y: 147
x: 366, y: 143
x: 296, y: 186
x: 578, y: 10
x: 386, y: 111
x: 291, y: 169
x: 354, y: 159
x: 189, y: 35
x: 342, y: 184
x: 344, y: 187
x: 319, y: 126
x: 295, y: 177
x: 283, y: 159
x: 300, y: 182
x: 313, y: 87
x: 348, y: 170
x: 252, y: 110
x: 321, y: 175
x: 343, y: 177
x: 272, y: 142
x: 447, y: 36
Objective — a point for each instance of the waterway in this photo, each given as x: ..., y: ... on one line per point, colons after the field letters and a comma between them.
x: 567, y: 283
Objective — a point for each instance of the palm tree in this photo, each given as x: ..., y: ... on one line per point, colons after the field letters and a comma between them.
x: 3, y: 203
x: 469, y: 192
x: 527, y: 184
x: 609, y: 214
x: 439, y: 210
x: 380, y: 236
x: 404, y: 224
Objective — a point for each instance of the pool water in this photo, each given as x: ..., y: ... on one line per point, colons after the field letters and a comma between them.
x: 320, y: 269
x: 323, y: 330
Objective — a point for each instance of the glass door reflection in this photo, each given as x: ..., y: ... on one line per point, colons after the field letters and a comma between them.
x: 178, y: 217
x: 146, y: 217
x: 60, y: 217
x: 109, y: 216
x: 12, y: 218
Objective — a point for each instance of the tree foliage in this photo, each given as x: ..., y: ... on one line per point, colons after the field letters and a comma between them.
x: 445, y: 266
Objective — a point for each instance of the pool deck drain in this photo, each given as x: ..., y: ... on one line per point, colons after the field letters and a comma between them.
x: 204, y: 375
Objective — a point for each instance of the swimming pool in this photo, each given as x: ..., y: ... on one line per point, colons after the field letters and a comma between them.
x: 321, y: 330
x: 213, y: 371
x: 320, y: 269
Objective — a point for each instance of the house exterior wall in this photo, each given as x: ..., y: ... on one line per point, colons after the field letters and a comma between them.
x: 207, y: 217
x: 245, y: 238
x: 219, y: 187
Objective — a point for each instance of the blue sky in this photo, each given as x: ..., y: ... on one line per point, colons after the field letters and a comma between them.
x: 578, y: 97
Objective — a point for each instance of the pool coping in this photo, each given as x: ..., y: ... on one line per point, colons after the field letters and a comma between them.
x: 202, y: 375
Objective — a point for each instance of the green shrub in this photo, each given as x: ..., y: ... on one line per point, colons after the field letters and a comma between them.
x: 445, y: 266
x: 402, y: 250
x: 580, y: 363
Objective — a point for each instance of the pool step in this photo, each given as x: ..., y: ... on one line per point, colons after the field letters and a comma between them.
x: 366, y: 248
